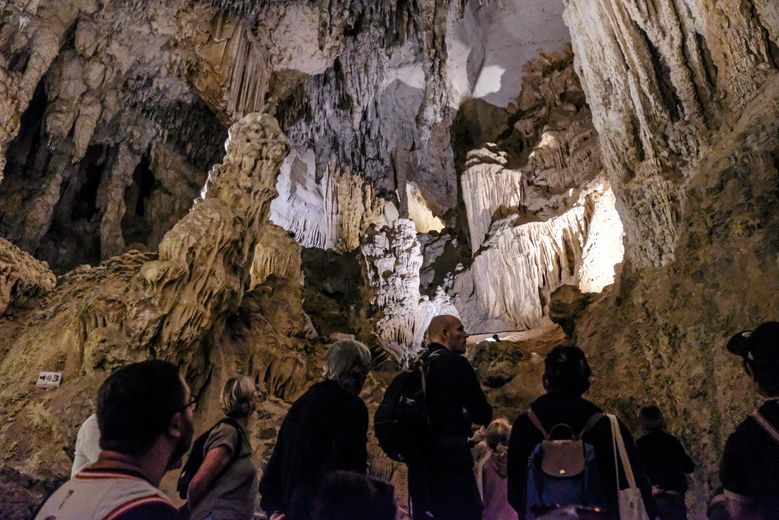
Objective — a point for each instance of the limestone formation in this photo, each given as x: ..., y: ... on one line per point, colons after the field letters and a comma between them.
x: 165, y: 305
x: 447, y: 156
x: 21, y: 276
x: 489, y: 189
x: 393, y: 259
x: 658, y: 76
x: 330, y: 214
x: 276, y: 253
x: 548, y: 221
x: 510, y: 281
x: 668, y: 327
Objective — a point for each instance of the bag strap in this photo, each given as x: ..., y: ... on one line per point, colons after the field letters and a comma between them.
x: 425, y: 360
x: 620, y: 453
x: 591, y: 423
x: 536, y: 422
x: 766, y: 425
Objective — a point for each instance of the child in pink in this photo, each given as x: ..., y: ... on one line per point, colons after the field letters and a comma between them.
x: 490, y: 470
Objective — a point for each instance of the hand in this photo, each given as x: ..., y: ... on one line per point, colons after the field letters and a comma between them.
x: 278, y: 516
x: 479, y: 435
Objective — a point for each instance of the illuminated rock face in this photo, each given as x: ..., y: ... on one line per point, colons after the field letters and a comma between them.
x: 21, y: 276
x: 511, y: 279
x: 330, y: 214
x: 652, y: 74
x: 488, y: 188
x: 393, y: 259
x: 548, y: 221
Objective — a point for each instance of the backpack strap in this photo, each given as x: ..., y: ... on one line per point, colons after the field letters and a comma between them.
x: 536, y: 422
x: 766, y: 425
x: 423, y: 365
x: 590, y: 424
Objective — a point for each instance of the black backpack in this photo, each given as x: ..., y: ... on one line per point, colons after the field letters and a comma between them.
x: 196, y: 456
x: 402, y: 423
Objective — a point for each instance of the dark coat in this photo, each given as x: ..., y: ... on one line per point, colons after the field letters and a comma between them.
x: 553, y: 409
x: 324, y: 431
x: 665, y: 460
x: 444, y: 482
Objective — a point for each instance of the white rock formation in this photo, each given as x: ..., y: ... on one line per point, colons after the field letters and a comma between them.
x: 393, y: 259
x: 604, y: 248
x: 511, y: 279
x: 419, y: 211
x: 330, y: 214
x: 489, y: 188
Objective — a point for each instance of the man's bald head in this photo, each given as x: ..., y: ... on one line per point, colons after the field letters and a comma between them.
x: 447, y: 330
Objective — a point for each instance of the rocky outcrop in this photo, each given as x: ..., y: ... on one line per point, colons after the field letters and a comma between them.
x: 509, y: 283
x: 166, y: 305
x: 330, y: 214
x: 276, y: 253
x: 490, y: 190
x: 658, y: 76
x: 541, y: 216
x: 393, y: 259
x: 21, y: 276
x: 668, y: 327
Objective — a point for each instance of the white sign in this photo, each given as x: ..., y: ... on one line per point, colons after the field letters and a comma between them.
x: 49, y: 379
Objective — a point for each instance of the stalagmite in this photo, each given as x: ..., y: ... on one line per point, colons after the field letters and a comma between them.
x: 137, y: 305
x: 392, y: 259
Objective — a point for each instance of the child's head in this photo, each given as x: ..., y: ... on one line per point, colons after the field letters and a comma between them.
x: 651, y: 419
x: 498, y: 433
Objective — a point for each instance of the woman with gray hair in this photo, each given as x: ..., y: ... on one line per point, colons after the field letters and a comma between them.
x: 325, y: 431
x: 224, y: 485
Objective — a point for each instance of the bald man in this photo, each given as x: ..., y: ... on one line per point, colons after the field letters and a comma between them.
x: 442, y: 485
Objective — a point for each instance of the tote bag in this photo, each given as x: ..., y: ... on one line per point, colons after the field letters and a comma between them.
x: 631, y: 505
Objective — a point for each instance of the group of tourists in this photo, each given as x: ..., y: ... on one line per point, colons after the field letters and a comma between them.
x: 563, y: 457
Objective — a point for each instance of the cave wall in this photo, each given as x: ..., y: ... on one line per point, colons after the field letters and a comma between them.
x: 683, y: 95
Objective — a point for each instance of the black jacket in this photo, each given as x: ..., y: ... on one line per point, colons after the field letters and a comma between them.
x: 455, y: 401
x: 553, y: 409
x: 750, y: 463
x: 665, y: 460
x: 324, y: 431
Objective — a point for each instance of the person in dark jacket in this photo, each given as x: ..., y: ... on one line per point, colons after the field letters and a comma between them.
x: 442, y: 484
x: 325, y: 431
x: 750, y: 464
x: 566, y: 378
x: 666, y: 463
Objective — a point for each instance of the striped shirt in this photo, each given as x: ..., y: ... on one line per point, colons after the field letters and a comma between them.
x: 107, y: 494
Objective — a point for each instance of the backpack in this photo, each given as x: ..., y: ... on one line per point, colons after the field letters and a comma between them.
x: 196, y: 456
x: 401, y: 422
x: 562, y: 472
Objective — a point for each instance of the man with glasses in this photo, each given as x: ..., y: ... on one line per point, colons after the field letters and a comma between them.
x: 144, y: 413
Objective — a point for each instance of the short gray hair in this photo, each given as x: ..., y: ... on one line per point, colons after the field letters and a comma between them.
x: 237, y: 396
x: 343, y: 356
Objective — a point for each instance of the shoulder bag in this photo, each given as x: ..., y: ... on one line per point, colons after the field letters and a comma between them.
x: 631, y: 504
